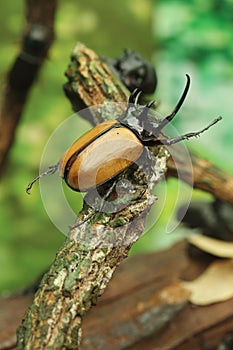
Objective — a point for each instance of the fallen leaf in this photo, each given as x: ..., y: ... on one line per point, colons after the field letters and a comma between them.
x: 213, y: 246
x: 214, y: 285
x: 174, y: 294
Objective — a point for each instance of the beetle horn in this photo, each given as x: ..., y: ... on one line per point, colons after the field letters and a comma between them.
x: 51, y: 170
x: 135, y: 96
x: 150, y: 104
x: 169, y: 118
x: 145, y: 110
x: 133, y: 100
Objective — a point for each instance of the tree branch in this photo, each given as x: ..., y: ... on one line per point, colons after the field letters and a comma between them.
x: 88, y: 258
x: 203, y: 175
x: 38, y: 36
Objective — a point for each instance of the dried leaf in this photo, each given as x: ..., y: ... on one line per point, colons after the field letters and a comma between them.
x: 213, y: 246
x: 214, y: 285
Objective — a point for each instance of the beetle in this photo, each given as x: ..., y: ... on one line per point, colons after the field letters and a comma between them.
x: 134, y: 71
x: 112, y: 146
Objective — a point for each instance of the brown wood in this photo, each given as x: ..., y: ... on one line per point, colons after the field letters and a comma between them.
x: 203, y: 175
x: 143, y: 307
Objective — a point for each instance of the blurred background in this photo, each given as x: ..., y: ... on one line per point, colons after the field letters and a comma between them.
x: 179, y: 37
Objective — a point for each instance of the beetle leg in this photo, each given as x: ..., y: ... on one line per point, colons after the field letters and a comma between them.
x: 51, y: 170
x: 77, y: 224
x: 90, y: 216
x: 169, y: 118
x: 169, y: 142
x: 106, y: 195
x: 143, y: 116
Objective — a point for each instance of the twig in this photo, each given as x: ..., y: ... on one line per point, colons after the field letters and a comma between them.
x: 203, y: 175
x: 38, y: 36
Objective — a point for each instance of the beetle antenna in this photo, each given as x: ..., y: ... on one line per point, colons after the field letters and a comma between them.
x: 169, y: 118
x: 51, y: 170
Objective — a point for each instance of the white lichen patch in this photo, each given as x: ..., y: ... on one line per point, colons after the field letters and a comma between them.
x: 59, y: 280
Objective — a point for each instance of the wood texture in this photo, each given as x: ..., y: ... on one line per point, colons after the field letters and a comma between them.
x: 143, y: 308
x: 203, y: 175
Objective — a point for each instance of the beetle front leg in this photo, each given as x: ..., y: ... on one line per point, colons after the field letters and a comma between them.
x: 168, y: 142
x: 51, y: 170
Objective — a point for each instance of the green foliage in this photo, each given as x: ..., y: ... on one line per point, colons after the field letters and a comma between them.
x: 192, y: 37
x: 29, y: 240
x: 196, y: 37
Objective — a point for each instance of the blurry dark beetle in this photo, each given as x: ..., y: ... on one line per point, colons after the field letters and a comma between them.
x: 134, y: 71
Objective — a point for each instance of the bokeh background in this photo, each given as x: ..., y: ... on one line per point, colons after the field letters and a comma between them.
x: 192, y: 36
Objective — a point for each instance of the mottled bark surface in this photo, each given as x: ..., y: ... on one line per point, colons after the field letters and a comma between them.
x: 99, y: 242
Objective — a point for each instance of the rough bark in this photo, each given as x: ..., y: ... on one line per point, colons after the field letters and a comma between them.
x: 100, y: 241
